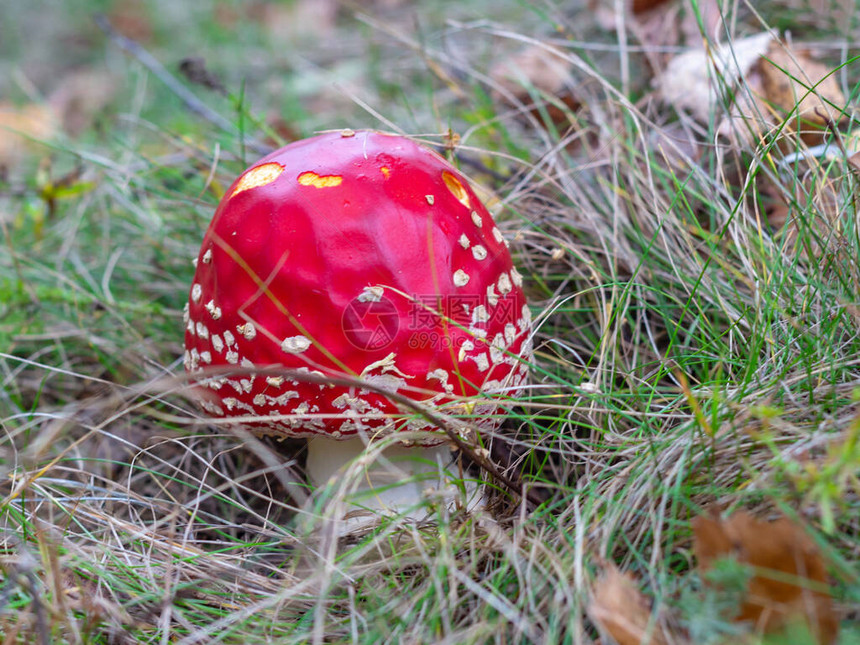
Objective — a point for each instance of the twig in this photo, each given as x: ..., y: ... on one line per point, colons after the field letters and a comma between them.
x: 134, y: 49
x: 410, y: 404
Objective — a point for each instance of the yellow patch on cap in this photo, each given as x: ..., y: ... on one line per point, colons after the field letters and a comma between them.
x: 456, y: 188
x: 259, y: 176
x: 319, y: 181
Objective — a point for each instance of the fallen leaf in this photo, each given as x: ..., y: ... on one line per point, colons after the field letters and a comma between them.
x: 797, y: 86
x: 641, y: 6
x: 654, y: 23
x: 20, y: 127
x: 537, y: 72
x: 788, y: 580
x: 771, y: 86
x: 657, y: 31
x: 661, y: 24
x: 129, y: 17
x: 623, y: 612
x: 694, y: 81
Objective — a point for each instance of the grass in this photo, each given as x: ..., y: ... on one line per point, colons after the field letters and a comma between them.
x: 688, y: 354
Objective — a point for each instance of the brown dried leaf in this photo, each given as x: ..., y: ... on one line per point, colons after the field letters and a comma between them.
x: 620, y: 610
x: 777, y: 87
x: 537, y: 68
x: 796, y: 85
x: 653, y: 22
x: 641, y: 6
x: 659, y: 24
x: 789, y: 580
x: 657, y: 30
x: 691, y: 80
x: 18, y: 125
x: 131, y: 19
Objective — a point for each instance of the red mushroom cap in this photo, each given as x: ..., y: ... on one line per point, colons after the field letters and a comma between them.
x: 361, y: 254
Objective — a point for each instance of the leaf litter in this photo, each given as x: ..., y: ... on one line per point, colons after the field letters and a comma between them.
x: 787, y: 578
x: 786, y: 586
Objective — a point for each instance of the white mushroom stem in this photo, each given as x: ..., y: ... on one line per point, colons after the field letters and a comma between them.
x: 394, y: 480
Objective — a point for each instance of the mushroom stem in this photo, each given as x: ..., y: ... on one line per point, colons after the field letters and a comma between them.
x: 391, y: 481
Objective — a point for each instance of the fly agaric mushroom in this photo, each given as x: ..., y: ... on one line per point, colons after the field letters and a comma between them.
x: 359, y: 254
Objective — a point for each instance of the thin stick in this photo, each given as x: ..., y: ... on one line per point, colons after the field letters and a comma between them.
x: 470, y: 451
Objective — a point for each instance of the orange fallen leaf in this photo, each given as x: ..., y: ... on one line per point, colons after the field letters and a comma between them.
x: 542, y: 71
x: 795, y: 86
x: 789, y: 580
x: 623, y: 612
